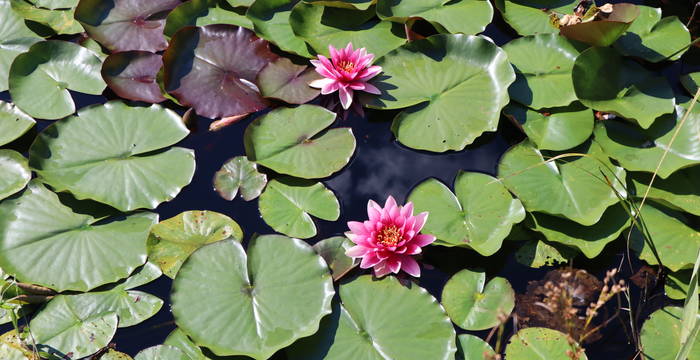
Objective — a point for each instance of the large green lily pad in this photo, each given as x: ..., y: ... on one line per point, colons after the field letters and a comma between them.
x: 473, y: 304
x: 15, y: 38
x: 543, y: 65
x: 271, y: 21
x: 13, y: 122
x: 479, y: 216
x: 275, y: 294
x: 44, y: 242
x: 661, y: 335
x: 605, y: 81
x: 114, y: 153
x: 444, y: 112
x: 471, y: 347
x: 530, y: 17
x: 295, y: 141
x: 461, y: 16
x: 654, y: 39
x: 373, y: 323
x: 288, y: 203
x: 51, y: 68
x: 679, y: 190
x: 553, y: 129
x: 537, y: 343
x: 14, y: 172
x: 642, y: 150
x: 236, y: 174
x: 321, y: 26
x: 575, y: 187
x: 173, y: 240
x: 201, y: 13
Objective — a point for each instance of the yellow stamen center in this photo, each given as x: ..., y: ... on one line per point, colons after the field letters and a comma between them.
x: 389, y: 236
x: 346, y: 65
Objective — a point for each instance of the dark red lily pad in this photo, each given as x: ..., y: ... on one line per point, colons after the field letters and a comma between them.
x: 606, y: 31
x: 132, y: 75
x: 123, y: 25
x: 288, y: 82
x: 213, y: 69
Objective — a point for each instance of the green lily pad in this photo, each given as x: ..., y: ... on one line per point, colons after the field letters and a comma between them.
x: 286, y: 81
x: 15, y: 38
x: 605, y: 81
x: 51, y: 68
x: 661, y: 335
x: 173, y: 240
x: 239, y: 173
x: 112, y: 354
x: 537, y: 343
x: 676, y: 243
x: 295, y: 141
x: 180, y: 340
x: 471, y: 347
x: 679, y: 190
x: 346, y: 4
x: 162, y: 352
x: 473, y: 304
x: 332, y: 250
x: 654, y: 39
x: 446, y: 112
x: 590, y: 240
x: 677, y: 284
x: 530, y: 17
x: 359, y: 328
x: 575, y: 187
x: 641, y: 150
x: 60, y: 21
x: 55, y: 4
x: 538, y: 253
x: 12, y: 348
x: 13, y: 122
x: 288, y: 203
x: 479, y: 216
x: 462, y: 16
x: 14, y: 172
x: 690, y: 82
x: 44, y: 242
x: 64, y: 327
x: 275, y: 294
x: 321, y: 26
x: 108, y: 153
x: 201, y: 13
x: 553, y: 129
x: 271, y: 21
x: 543, y: 65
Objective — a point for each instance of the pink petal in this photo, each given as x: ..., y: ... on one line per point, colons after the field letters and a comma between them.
x: 372, y: 89
x: 412, y: 249
x: 320, y: 83
x: 423, y: 240
x: 357, y: 228
x: 326, y: 73
x: 394, y: 264
x: 410, y: 266
x: 407, y: 210
x: 357, y: 251
x: 370, y: 259
x: 420, y: 221
x: 380, y: 271
x: 369, y: 73
x: 330, y: 88
x: 345, y: 97
x: 373, y: 213
x: 333, y: 52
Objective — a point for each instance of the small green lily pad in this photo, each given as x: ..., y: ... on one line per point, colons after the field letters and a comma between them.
x: 538, y: 253
x: 236, y: 174
x: 471, y: 347
x: 537, y: 343
x: 271, y: 21
x: 473, y: 304
x: 553, y: 129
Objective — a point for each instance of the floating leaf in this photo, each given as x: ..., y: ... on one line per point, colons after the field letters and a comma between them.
x: 123, y: 25
x: 55, y: 4
x: 12, y: 348
x: 332, y: 250
x: 13, y: 121
x: 605, y: 81
x: 44, y: 242
x: 473, y: 304
x: 553, y: 129
x: 15, y: 38
x: 64, y: 327
x: 51, y: 68
x: 676, y: 243
x: 162, y: 352
x: 537, y: 343
x: 679, y: 190
x: 641, y: 150
x: 14, y: 172
x: 479, y: 216
x: 661, y: 335
x: 275, y: 294
x: 288, y: 82
x: 236, y: 3
x: 471, y: 347
x: 365, y: 328
x: 216, y: 84
x: 271, y: 21
x: 543, y: 65
x: 460, y: 16
x: 690, y: 82
x: 132, y: 75
x: 321, y: 26
x: 677, y: 284
x: 603, y: 32
x: 654, y: 39
x: 576, y: 188
x: 201, y: 13
x: 108, y: 153
x: 346, y: 4
x: 112, y: 354
x: 590, y: 240
x: 446, y: 112
x: 288, y: 203
x: 239, y: 173
x: 295, y: 141
x: 61, y: 21
x: 539, y: 253
x: 532, y: 17
x: 173, y: 240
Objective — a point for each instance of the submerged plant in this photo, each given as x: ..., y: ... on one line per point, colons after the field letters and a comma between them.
x: 389, y: 239
x: 347, y: 71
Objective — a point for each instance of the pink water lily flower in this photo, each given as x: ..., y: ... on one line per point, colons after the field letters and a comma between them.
x: 347, y: 71
x: 389, y: 239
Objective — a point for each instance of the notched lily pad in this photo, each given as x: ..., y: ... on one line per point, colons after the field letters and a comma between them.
x: 59, y: 21
x: 288, y: 82
x: 236, y: 174
x: 474, y: 304
x: 539, y: 253
x: 132, y: 75
x: 661, y: 335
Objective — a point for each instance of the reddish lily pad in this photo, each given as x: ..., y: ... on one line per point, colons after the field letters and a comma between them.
x: 132, y: 75
x: 123, y: 25
x: 603, y: 32
x: 288, y: 82
x: 216, y: 83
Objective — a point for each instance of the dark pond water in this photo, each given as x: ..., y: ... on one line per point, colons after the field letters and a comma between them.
x: 380, y: 167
